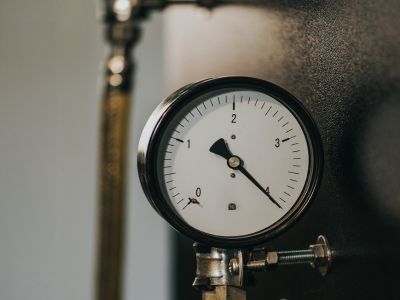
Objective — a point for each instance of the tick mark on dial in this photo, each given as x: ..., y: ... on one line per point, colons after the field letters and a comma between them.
x: 176, y: 195
x: 255, y: 104
x: 170, y: 174
x: 290, y: 187
x: 280, y: 119
x: 262, y: 106
x: 294, y: 180
x: 199, y: 111
x: 289, y: 130
x: 282, y: 199
x: 275, y: 114
x: 268, y: 110
x: 284, y: 140
x: 285, y: 124
x: 287, y: 194
x: 291, y: 172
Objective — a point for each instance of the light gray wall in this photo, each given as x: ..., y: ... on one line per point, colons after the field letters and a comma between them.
x: 50, y: 65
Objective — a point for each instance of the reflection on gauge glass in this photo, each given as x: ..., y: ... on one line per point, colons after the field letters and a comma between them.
x: 230, y: 161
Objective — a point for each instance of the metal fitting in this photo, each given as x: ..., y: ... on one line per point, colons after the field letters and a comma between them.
x: 218, y: 267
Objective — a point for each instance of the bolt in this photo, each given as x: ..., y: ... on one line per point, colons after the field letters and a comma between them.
x: 233, y: 175
x: 233, y: 136
x: 256, y: 265
x: 318, y: 255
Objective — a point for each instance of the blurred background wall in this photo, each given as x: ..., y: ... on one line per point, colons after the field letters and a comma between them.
x: 51, y: 55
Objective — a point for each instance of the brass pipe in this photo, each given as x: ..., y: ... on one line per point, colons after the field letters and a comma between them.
x: 224, y: 292
x: 115, y: 104
x: 112, y: 189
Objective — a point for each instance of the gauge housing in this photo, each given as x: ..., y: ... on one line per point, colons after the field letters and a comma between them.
x: 163, y: 115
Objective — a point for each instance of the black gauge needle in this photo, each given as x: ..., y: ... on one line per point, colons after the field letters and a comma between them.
x: 221, y: 148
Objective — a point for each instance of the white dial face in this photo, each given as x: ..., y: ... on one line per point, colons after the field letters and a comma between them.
x: 234, y: 163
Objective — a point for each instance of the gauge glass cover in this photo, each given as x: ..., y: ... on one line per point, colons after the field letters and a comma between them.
x: 231, y: 161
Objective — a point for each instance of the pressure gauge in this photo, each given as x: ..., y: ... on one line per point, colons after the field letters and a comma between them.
x: 230, y: 162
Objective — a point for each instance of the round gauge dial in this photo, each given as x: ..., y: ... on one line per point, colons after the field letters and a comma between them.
x: 231, y: 161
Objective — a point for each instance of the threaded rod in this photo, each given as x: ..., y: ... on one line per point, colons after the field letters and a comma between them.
x: 296, y: 257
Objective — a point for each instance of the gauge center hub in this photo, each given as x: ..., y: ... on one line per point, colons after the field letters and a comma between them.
x: 234, y: 162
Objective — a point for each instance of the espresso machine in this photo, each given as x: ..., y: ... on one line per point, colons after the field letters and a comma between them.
x: 278, y: 148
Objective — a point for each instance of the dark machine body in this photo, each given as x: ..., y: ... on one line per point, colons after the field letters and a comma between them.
x: 342, y: 60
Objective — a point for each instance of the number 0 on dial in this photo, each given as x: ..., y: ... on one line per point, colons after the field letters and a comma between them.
x: 230, y: 162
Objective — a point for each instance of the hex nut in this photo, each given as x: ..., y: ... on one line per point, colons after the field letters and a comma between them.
x: 320, y: 255
x: 271, y: 259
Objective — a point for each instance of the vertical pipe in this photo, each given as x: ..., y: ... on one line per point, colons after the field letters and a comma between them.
x: 121, y: 35
x: 224, y: 292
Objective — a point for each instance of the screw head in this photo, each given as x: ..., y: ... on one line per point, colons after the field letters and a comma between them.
x: 234, y: 162
x: 233, y: 266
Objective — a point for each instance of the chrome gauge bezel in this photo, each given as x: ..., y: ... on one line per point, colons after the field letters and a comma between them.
x: 148, y: 154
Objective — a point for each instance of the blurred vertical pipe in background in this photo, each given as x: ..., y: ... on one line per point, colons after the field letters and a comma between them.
x: 121, y: 33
